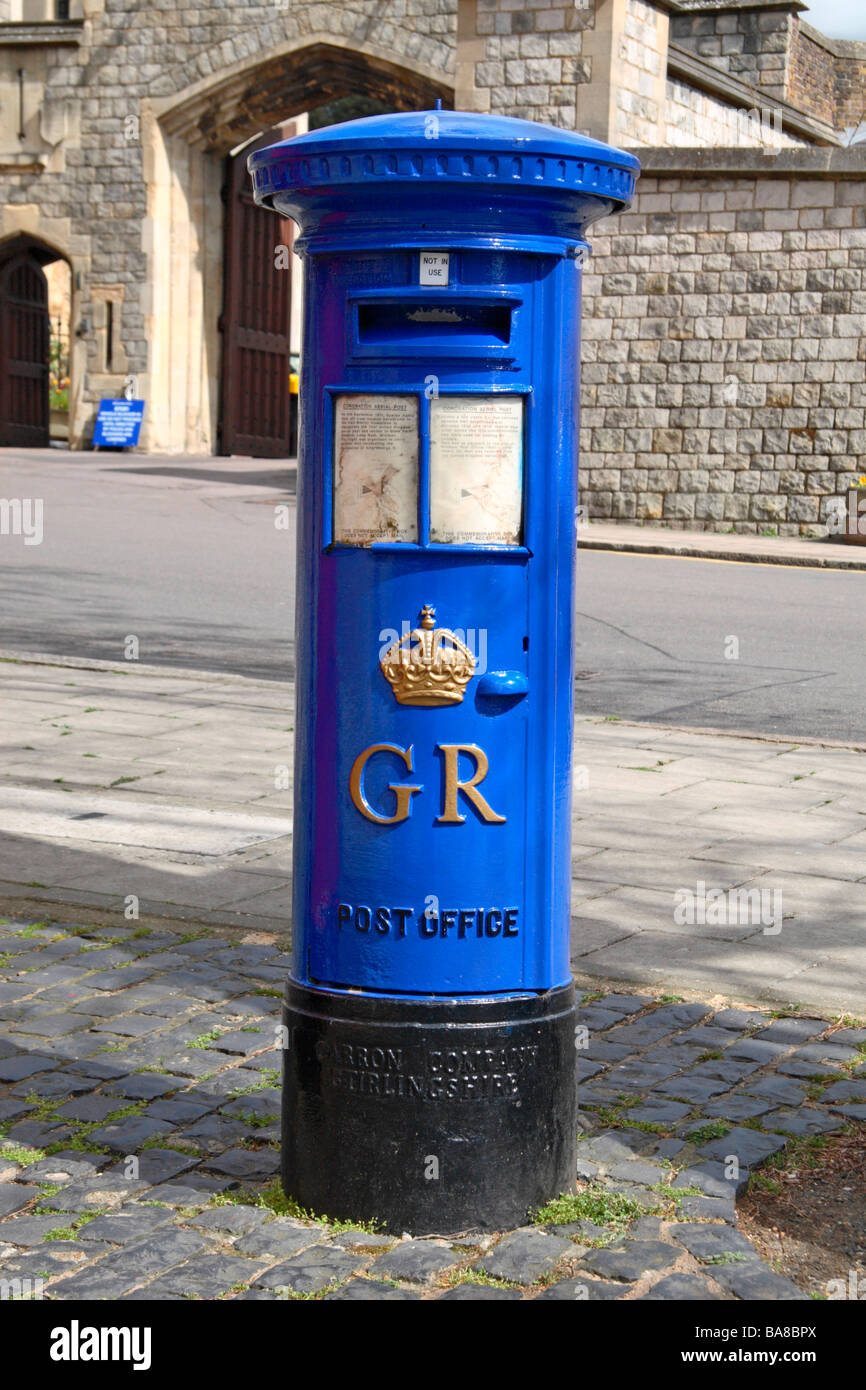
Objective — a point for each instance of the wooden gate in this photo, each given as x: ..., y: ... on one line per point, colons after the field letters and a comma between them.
x: 254, y: 387
x: 24, y: 348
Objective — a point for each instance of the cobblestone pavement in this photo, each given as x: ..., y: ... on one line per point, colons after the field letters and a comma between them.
x: 139, y: 1103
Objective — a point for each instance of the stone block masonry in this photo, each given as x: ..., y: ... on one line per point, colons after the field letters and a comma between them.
x: 750, y: 43
x: 724, y: 343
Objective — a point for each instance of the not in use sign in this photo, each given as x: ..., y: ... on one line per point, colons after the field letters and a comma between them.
x: 433, y: 267
x: 118, y: 423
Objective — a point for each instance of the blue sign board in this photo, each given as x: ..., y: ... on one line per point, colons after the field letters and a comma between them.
x: 118, y: 423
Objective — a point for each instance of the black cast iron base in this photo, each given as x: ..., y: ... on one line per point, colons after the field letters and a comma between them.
x: 428, y: 1116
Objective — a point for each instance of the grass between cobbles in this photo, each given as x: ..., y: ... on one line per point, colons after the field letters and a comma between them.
x: 453, y: 1278
x: 274, y: 1199
x: 294, y: 1296
x: 716, y: 1129
x: 801, y: 1152
x: 818, y: 1084
x: 176, y: 1144
x: 69, y: 1232
x: 255, y: 1121
x: 849, y: 1021
x: 79, y: 1140
x: 79, y: 1143
x: 270, y: 1080
x: 48, y: 1189
x: 33, y: 927
x: 20, y: 1153
x: 855, y: 1061
x: 595, y: 1204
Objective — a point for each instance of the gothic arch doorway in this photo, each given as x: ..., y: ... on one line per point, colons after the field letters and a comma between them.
x: 24, y: 347
x: 34, y: 340
x: 187, y: 138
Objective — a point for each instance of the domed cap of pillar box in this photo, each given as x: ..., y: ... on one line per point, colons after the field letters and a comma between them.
x: 426, y: 174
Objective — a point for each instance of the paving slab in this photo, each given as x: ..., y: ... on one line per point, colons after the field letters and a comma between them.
x: 689, y: 1287
x: 754, y: 1281
x: 29, y: 1230
x: 93, y: 1193
x: 280, y: 1238
x: 131, y: 1222
x: 374, y: 1290
x: 116, y: 1274
x: 524, y: 1256
x: 710, y: 1209
x: 580, y: 1290
x: 14, y: 1196
x: 310, y: 1271
x: 712, y: 1244
x: 713, y: 1180
x: 230, y: 1220
x: 417, y: 1261
x: 209, y: 1276
x: 631, y: 1260
x: 750, y: 1146
x: 803, y: 1122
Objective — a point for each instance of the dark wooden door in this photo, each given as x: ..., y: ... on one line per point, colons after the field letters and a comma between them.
x: 24, y: 347
x: 254, y: 393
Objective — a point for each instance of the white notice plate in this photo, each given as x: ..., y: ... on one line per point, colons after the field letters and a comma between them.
x: 433, y: 267
x: 476, y: 469
x: 375, y: 469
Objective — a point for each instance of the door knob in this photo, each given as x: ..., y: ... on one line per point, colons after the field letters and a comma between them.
x: 503, y: 683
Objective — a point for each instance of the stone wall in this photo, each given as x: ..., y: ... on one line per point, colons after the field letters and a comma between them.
x: 696, y: 118
x: 747, y: 43
x: 724, y: 351
x: 812, y: 77
x: 521, y: 59
x: 828, y: 74
x: 640, y: 75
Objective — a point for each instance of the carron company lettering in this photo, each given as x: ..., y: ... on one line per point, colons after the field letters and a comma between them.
x: 477, y: 1073
x: 482, y: 1085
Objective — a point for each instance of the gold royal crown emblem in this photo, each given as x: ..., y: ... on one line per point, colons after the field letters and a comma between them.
x: 429, y: 665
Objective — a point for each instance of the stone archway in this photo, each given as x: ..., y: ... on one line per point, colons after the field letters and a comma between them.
x: 27, y: 358
x: 185, y: 138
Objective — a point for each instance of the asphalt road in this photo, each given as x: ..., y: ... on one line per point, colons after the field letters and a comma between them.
x: 185, y: 555
x: 654, y: 642
x: 181, y: 553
